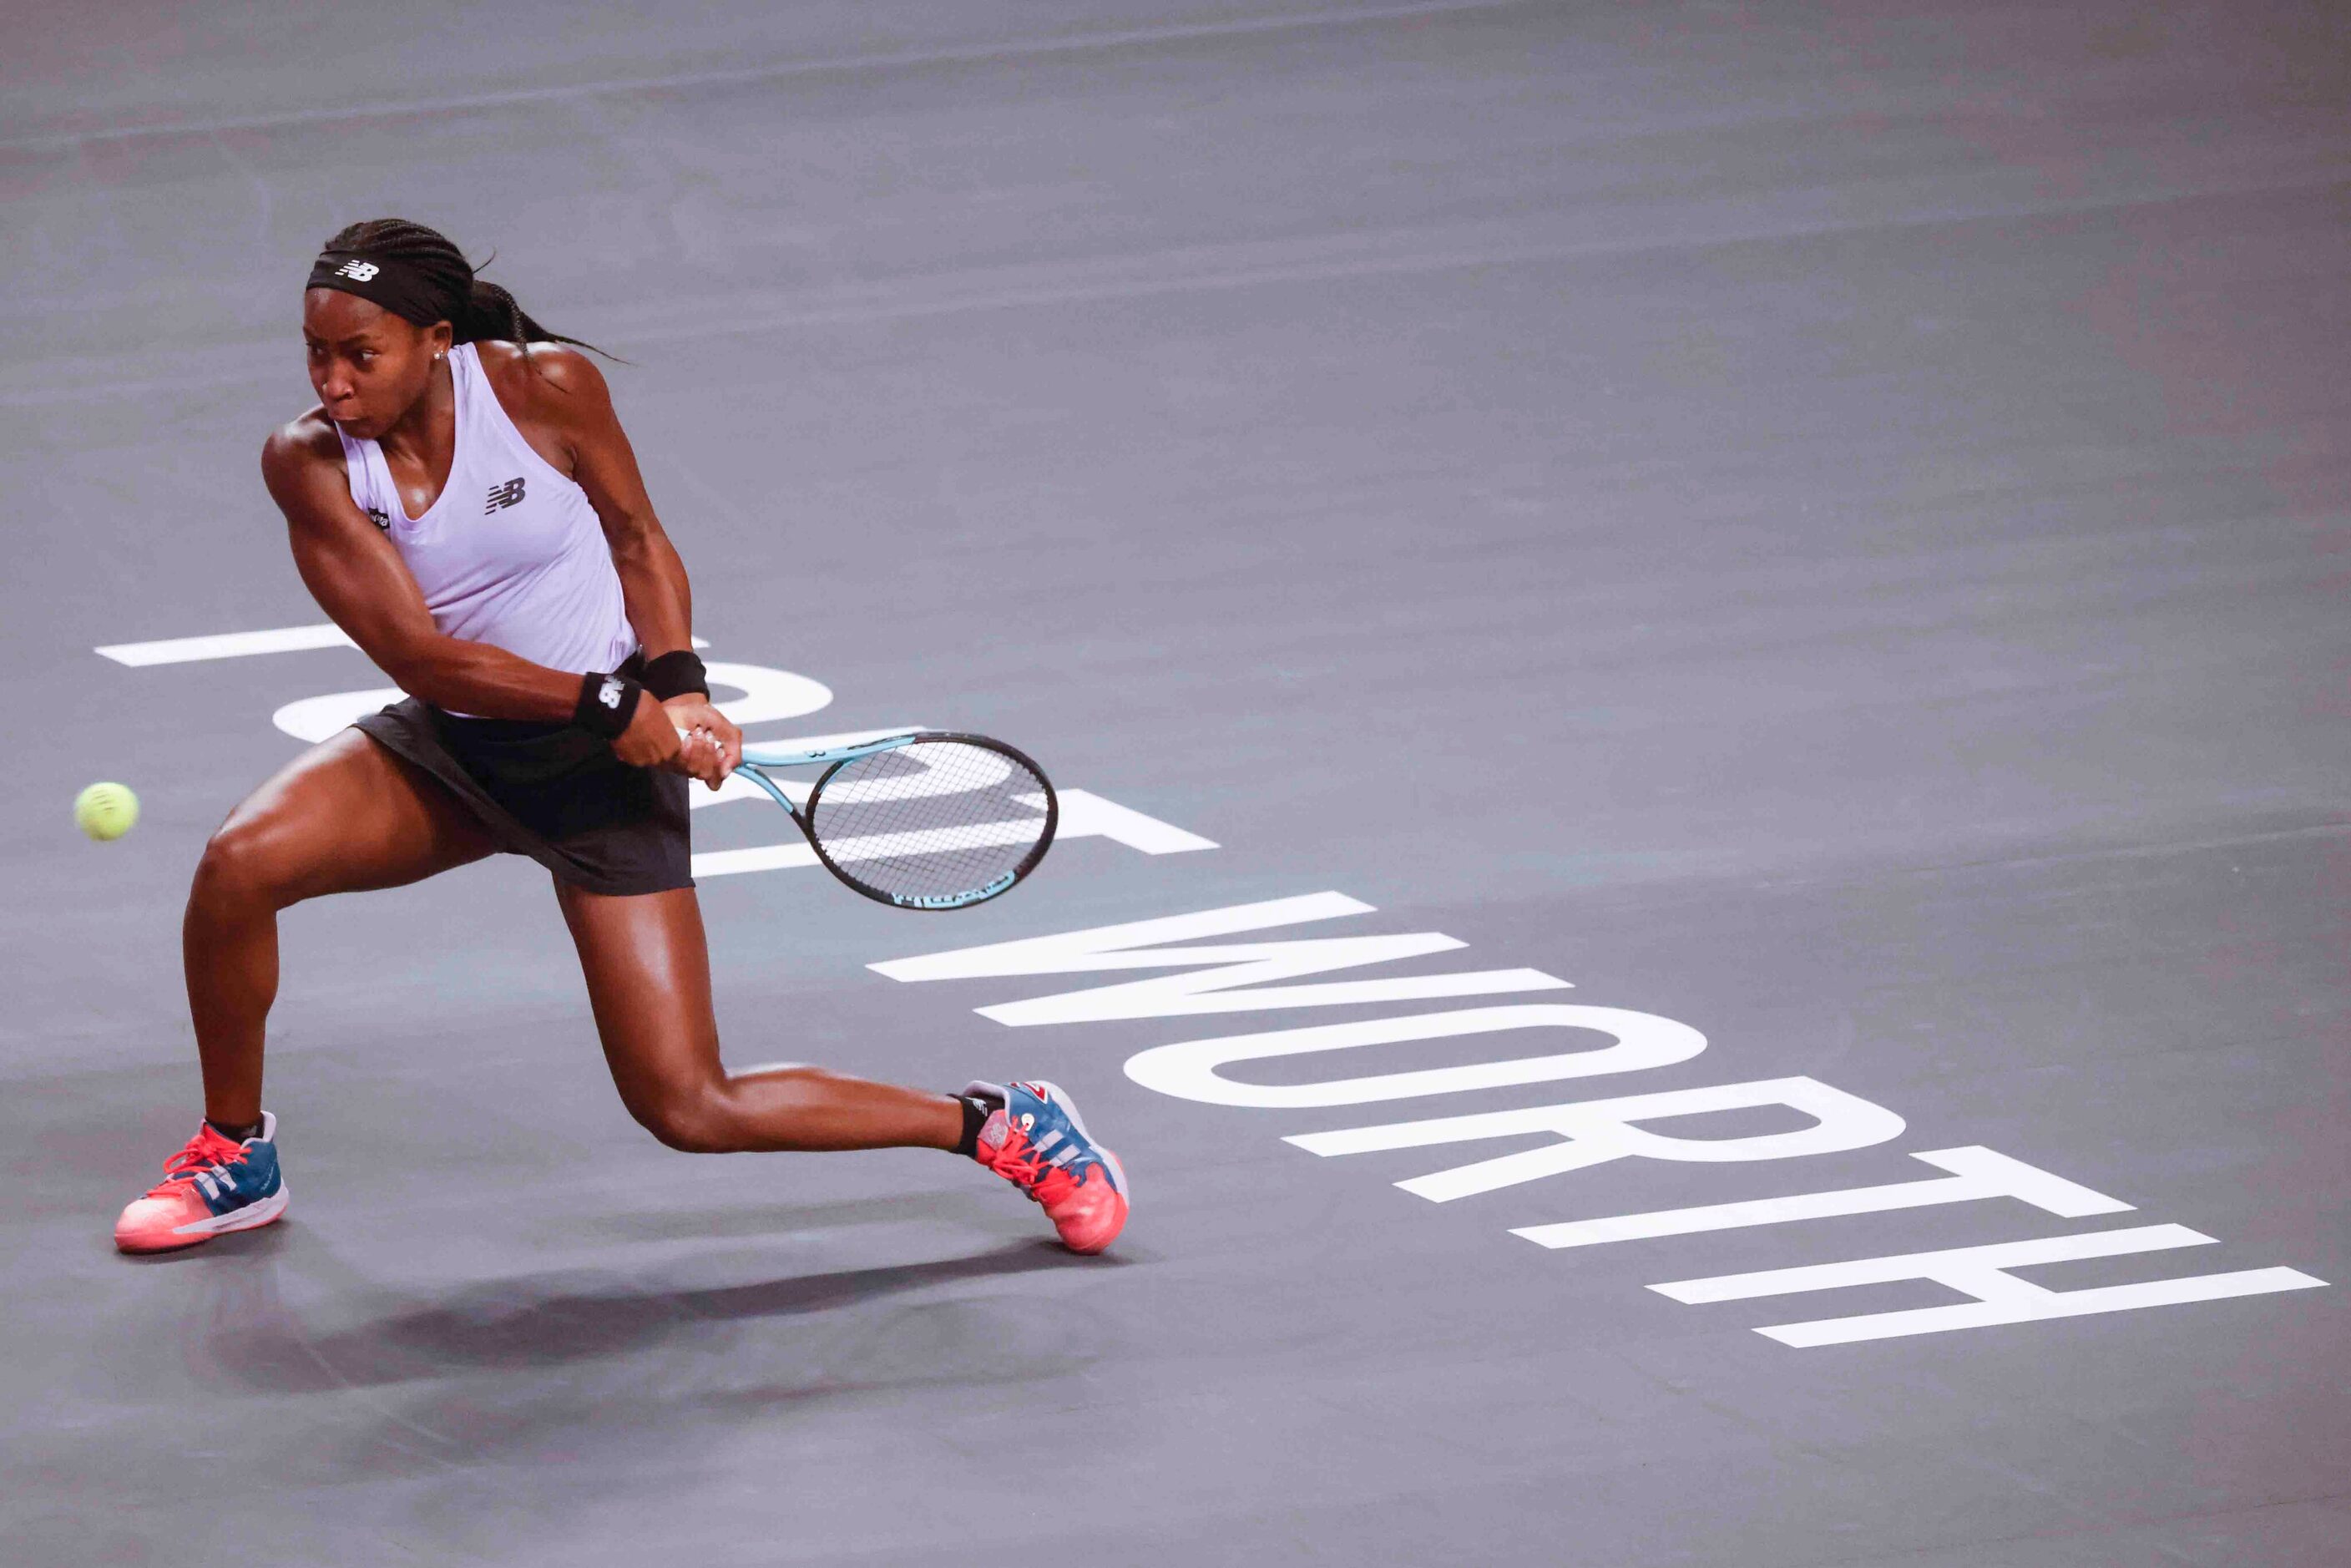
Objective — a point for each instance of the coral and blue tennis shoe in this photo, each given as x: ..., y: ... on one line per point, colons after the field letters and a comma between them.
x: 213, y: 1186
x: 1035, y: 1140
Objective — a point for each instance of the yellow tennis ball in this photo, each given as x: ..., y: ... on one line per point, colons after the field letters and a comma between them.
x: 105, y: 810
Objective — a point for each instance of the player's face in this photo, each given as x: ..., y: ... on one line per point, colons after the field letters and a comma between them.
x: 367, y: 365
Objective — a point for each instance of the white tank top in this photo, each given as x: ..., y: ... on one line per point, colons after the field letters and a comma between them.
x: 512, y: 553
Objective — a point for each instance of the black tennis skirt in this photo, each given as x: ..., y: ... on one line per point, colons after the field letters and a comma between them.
x: 554, y: 793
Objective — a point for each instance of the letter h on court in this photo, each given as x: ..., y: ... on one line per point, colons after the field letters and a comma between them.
x: 1982, y: 1272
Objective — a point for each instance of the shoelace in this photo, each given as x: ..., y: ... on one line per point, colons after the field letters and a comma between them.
x: 201, y: 1158
x: 1020, y: 1160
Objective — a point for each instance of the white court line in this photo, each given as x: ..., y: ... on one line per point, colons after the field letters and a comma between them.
x: 228, y: 646
x: 766, y: 857
x: 878, y: 846
x: 237, y: 645
x: 936, y: 841
x: 1084, y: 815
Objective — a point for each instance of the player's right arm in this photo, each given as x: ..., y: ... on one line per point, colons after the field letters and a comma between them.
x: 354, y: 573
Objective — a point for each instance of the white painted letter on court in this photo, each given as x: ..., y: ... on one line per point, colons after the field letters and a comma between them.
x: 1597, y: 1130
x: 1982, y: 1272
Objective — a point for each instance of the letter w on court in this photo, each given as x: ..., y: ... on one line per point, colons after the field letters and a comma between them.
x: 1219, y: 971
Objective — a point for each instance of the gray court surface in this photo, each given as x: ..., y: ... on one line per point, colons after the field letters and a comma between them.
x: 1822, y: 526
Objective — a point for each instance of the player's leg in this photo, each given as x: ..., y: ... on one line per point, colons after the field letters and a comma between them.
x: 648, y: 972
x: 345, y: 816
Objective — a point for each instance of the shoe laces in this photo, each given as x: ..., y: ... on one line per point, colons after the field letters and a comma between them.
x: 205, y: 1154
x: 1021, y: 1161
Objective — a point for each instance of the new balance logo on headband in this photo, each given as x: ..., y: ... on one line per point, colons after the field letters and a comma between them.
x: 359, y: 270
x: 505, y: 495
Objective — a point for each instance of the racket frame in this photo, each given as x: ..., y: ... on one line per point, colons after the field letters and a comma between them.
x: 758, y: 758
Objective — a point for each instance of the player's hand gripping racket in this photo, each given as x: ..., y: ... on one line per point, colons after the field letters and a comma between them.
x: 924, y: 820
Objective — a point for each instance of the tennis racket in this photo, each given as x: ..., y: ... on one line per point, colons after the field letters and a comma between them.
x: 927, y: 819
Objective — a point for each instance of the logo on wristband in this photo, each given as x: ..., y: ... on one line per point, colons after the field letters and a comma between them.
x: 610, y: 694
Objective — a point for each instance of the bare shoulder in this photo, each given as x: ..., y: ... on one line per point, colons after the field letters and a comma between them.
x: 299, y: 448
x: 555, y: 382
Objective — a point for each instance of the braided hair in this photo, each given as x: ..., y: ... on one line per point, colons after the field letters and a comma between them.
x: 474, y: 309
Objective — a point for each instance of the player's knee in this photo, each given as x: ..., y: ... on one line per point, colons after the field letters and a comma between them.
x: 240, y: 868
x: 691, y: 1122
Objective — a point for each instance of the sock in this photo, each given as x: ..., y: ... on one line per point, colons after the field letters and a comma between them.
x: 235, y: 1133
x: 975, y: 1112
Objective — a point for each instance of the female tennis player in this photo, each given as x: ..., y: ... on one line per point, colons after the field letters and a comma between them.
x: 464, y: 503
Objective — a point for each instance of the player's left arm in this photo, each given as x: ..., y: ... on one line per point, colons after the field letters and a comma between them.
x: 573, y: 398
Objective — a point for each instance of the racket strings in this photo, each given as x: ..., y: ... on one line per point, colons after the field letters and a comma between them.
x: 930, y: 822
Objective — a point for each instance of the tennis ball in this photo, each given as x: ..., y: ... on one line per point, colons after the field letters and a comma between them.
x: 105, y: 810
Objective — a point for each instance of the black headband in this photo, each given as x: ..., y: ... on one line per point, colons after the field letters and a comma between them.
x: 398, y: 287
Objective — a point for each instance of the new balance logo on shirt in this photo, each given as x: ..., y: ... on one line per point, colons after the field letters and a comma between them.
x: 505, y: 495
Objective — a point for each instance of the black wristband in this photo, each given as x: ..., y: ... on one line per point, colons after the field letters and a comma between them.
x: 607, y: 703
x: 674, y: 673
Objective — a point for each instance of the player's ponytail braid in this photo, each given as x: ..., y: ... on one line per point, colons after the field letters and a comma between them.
x: 474, y: 309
